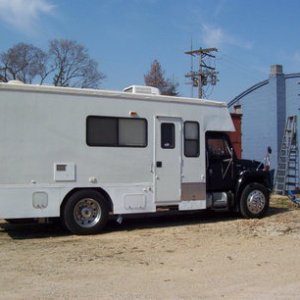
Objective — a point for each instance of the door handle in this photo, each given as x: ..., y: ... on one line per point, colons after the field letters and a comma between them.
x: 158, y: 164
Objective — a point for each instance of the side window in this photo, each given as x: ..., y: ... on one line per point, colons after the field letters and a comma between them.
x: 116, y: 132
x: 218, y: 147
x: 167, y: 135
x: 133, y: 132
x: 102, y: 131
x: 191, y: 139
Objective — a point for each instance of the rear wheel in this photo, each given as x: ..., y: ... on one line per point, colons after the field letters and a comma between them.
x: 86, y: 212
x: 254, y: 201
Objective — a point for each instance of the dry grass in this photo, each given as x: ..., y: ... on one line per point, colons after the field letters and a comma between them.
x: 278, y: 201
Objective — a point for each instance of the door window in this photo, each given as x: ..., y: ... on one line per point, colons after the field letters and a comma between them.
x: 218, y: 147
x: 220, y: 168
x: 167, y: 136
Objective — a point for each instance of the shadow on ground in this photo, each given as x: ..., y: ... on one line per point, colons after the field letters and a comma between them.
x: 130, y: 222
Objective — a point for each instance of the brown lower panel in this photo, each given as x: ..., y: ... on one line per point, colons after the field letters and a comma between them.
x: 193, y: 191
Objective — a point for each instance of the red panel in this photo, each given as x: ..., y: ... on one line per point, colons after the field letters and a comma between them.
x: 236, y: 137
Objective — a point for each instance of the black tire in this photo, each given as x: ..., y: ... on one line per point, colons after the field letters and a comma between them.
x: 85, y: 212
x: 254, y: 202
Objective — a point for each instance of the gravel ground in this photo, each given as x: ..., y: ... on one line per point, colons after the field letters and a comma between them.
x: 188, y: 256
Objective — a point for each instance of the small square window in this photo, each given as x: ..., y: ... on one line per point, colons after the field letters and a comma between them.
x: 167, y: 136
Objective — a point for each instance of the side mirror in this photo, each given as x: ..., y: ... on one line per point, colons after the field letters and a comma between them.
x: 269, y: 150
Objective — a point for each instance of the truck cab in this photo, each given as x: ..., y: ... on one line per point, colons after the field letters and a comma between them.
x: 236, y: 184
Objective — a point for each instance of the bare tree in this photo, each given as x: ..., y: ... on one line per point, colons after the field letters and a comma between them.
x: 171, y: 88
x: 66, y: 61
x: 72, y: 65
x: 155, y: 77
x: 23, y: 62
x: 2, y: 79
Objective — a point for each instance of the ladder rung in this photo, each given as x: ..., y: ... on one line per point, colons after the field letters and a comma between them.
x: 287, y: 175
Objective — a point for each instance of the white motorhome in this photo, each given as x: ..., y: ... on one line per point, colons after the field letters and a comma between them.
x: 83, y: 154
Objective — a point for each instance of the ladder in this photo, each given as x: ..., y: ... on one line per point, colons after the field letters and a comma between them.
x: 287, y: 175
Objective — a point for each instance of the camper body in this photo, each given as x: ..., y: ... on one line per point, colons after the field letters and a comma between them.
x: 83, y: 155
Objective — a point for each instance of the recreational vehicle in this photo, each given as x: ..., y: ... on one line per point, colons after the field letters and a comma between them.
x: 84, y: 155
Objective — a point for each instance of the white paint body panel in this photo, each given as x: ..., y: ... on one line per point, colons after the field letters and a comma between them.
x: 44, y: 155
x: 192, y: 205
x: 168, y: 176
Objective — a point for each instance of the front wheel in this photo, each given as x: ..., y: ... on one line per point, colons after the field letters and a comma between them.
x: 85, y: 212
x: 254, y: 201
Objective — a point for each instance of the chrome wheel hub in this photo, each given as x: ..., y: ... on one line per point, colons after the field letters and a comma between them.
x: 256, y: 201
x: 87, y: 212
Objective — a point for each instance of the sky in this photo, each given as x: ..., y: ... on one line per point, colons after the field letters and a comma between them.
x: 126, y: 36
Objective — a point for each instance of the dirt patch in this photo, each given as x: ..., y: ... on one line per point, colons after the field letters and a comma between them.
x: 190, y: 256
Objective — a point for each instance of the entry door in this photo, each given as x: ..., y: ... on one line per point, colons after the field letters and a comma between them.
x: 220, y: 165
x: 167, y: 159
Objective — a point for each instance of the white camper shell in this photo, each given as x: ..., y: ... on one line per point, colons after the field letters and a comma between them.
x: 81, y: 154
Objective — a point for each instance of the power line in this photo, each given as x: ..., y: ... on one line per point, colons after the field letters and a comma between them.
x: 206, y: 74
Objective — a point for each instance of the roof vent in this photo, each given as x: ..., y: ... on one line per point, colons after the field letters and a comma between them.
x: 142, y: 89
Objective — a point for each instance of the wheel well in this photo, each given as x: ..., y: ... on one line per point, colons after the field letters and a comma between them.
x: 100, y: 190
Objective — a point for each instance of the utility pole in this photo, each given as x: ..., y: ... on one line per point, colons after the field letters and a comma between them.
x: 205, y: 74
